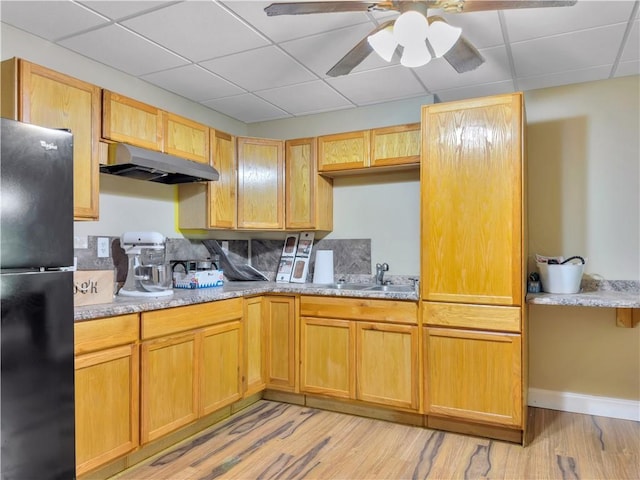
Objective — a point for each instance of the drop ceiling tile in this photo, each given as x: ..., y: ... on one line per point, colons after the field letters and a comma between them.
x: 121, y: 9
x: 247, y: 108
x: 439, y: 74
x: 321, y: 52
x: 600, y: 72
x: 628, y: 68
x: 529, y: 23
x: 631, y: 50
x: 572, y: 51
x: 193, y: 82
x: 376, y: 86
x: 287, y: 27
x: 49, y: 19
x: 197, y: 30
x: 121, y: 49
x: 482, y: 29
x: 474, y: 91
x: 262, y: 68
x: 305, y: 98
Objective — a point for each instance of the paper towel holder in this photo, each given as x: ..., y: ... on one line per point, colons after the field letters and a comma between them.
x: 323, y: 270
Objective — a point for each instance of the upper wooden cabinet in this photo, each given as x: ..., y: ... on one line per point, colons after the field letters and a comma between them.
x: 397, y: 145
x: 369, y: 150
x: 130, y: 121
x: 309, y: 196
x: 37, y: 95
x: 344, y: 151
x: 212, y: 204
x: 260, y: 183
x: 472, y: 208
x: 186, y: 138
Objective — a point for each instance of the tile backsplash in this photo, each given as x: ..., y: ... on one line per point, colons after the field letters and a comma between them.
x: 352, y: 257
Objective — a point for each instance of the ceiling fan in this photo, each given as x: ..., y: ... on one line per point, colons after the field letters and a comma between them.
x: 387, y: 41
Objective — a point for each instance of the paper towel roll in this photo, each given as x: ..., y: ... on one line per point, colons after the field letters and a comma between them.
x: 323, y: 272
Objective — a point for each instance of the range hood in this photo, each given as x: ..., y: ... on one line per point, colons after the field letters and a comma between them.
x: 135, y: 162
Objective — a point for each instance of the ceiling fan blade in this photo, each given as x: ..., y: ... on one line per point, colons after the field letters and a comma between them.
x: 356, y: 55
x: 304, y: 8
x: 463, y: 56
x: 466, y: 6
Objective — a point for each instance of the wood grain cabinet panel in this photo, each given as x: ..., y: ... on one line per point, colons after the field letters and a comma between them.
x: 472, y: 208
x: 280, y: 333
x: 186, y: 138
x: 169, y: 384
x: 387, y: 364
x: 107, y: 422
x: 260, y: 183
x: 327, y: 349
x: 221, y: 372
x: 309, y: 196
x: 254, y: 348
x: 130, y: 121
x: 397, y: 145
x: 37, y: 95
x: 473, y: 375
x: 344, y: 151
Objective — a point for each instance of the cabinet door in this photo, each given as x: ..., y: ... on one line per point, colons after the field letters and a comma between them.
x: 221, y: 368
x: 185, y: 138
x: 169, y: 383
x: 260, y: 184
x: 51, y: 99
x: 343, y: 151
x: 281, y: 341
x: 472, y: 250
x: 309, y: 196
x: 327, y: 357
x: 387, y: 364
x: 222, y: 194
x: 106, y: 389
x: 130, y: 121
x: 473, y: 375
x: 253, y: 346
x: 398, y: 145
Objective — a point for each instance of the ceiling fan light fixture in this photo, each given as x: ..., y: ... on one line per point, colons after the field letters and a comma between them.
x: 415, y: 55
x: 443, y: 36
x: 410, y: 28
x: 383, y: 43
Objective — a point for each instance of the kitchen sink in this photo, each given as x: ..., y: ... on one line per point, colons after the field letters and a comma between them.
x: 349, y: 286
x: 391, y: 288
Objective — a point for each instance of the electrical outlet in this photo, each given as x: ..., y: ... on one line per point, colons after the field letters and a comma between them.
x: 103, y: 247
x: 224, y: 244
x: 81, y: 242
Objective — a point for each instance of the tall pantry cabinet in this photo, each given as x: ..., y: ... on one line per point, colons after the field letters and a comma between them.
x: 473, y: 265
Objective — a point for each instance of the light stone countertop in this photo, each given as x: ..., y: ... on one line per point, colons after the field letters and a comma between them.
x: 124, y: 305
x: 594, y: 293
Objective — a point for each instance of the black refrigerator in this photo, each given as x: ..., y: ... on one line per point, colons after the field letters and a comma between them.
x: 36, y: 294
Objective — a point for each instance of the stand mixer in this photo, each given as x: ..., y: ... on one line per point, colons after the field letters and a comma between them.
x: 148, y: 274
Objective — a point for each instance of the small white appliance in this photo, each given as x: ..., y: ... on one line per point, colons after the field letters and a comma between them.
x: 148, y: 275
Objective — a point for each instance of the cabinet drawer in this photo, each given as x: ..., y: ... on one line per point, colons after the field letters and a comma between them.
x: 360, y: 309
x: 172, y: 320
x: 482, y: 317
x: 104, y: 333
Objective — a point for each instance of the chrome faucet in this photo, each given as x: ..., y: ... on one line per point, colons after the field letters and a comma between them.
x: 380, y: 269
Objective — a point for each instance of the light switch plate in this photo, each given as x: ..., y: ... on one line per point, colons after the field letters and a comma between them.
x: 103, y: 247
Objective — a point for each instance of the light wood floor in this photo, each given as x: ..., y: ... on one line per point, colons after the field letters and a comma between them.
x: 271, y: 440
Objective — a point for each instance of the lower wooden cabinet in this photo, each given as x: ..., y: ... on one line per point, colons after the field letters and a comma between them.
x: 253, y: 346
x: 327, y: 357
x: 170, y: 386
x: 280, y: 334
x: 360, y: 349
x: 191, y: 363
x: 106, y: 390
x: 387, y: 364
x: 473, y: 375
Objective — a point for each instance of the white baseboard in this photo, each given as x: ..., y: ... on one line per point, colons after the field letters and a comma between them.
x: 589, y: 404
